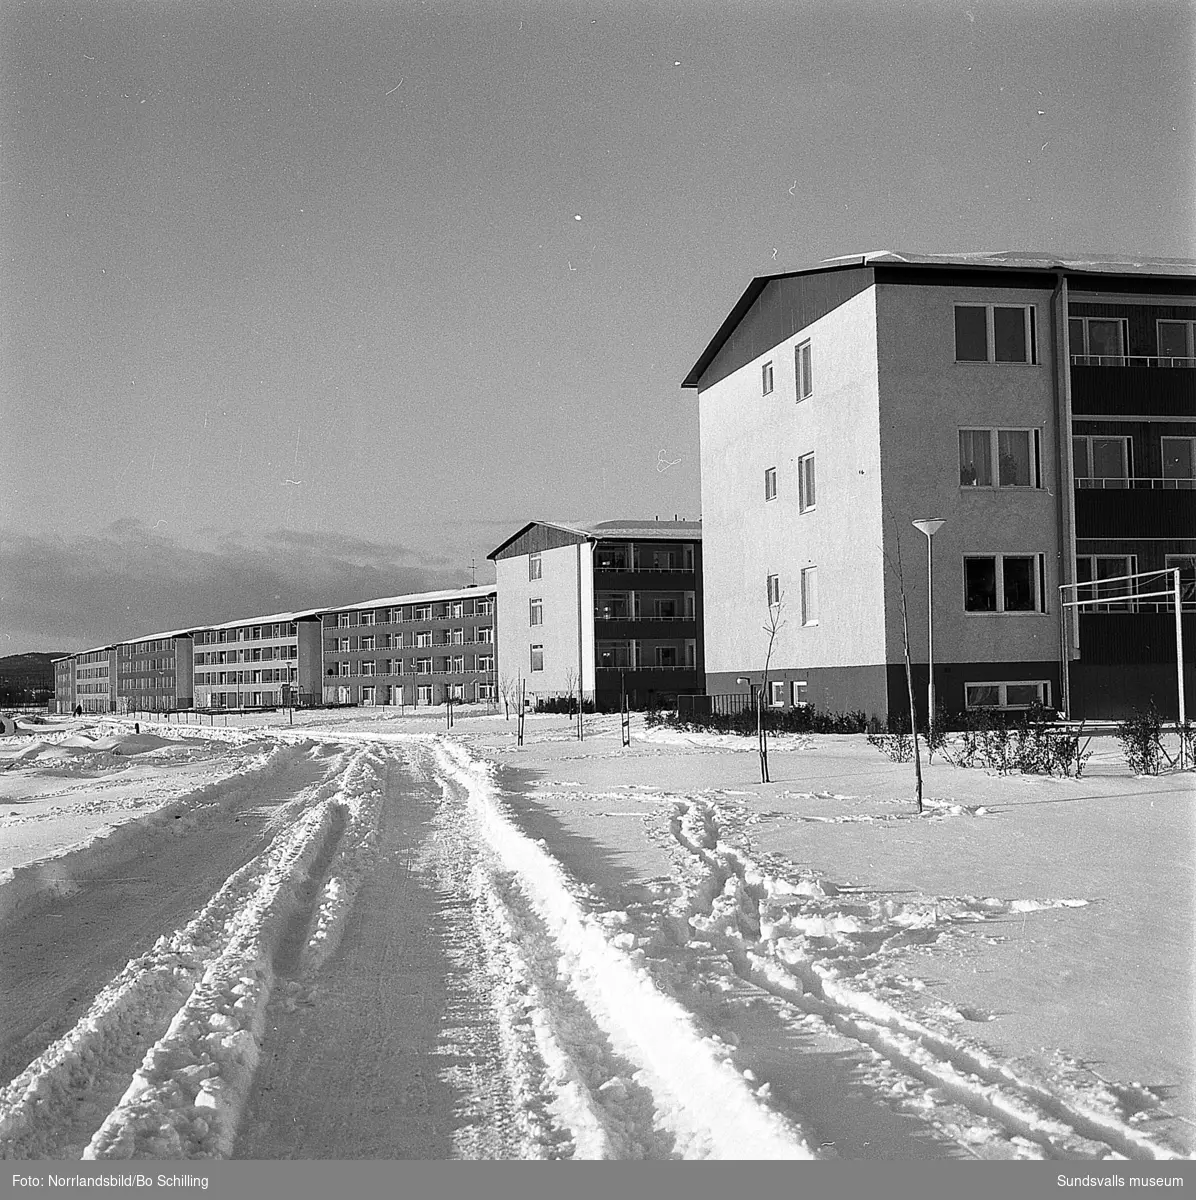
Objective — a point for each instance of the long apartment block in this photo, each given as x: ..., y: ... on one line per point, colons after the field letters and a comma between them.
x: 1043, y: 410
x: 420, y: 649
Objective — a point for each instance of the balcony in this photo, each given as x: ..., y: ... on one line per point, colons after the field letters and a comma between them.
x: 1110, y: 386
x: 1105, y: 512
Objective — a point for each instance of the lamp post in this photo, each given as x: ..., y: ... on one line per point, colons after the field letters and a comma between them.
x: 930, y: 526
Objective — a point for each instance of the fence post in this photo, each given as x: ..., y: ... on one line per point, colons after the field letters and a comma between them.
x: 1179, y: 665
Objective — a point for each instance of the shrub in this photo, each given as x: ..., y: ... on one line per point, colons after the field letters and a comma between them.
x: 1026, y: 743
x: 1141, y: 738
x: 804, y: 719
x: 896, y: 747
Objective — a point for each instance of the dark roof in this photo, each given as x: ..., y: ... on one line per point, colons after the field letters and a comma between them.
x: 1024, y: 261
x: 688, y: 531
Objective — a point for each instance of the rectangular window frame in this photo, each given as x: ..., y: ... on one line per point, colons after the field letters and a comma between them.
x: 1003, y: 686
x: 1088, y: 480
x: 994, y: 459
x: 1037, y: 579
x: 535, y: 565
x: 1084, y: 349
x: 536, y: 657
x: 1178, y: 480
x: 809, y: 597
x: 776, y: 693
x: 1189, y: 339
x: 1029, y: 333
x: 807, y: 497
x: 770, y: 483
x: 772, y: 586
x: 803, y: 370
x: 767, y: 380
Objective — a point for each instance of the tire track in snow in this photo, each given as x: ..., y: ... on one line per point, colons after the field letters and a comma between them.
x: 732, y: 906
x: 699, y: 1095
x: 149, y: 1011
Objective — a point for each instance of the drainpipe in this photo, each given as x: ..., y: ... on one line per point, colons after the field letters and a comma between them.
x: 1069, y: 643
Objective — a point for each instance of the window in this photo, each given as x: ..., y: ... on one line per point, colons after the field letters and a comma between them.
x: 367, y: 642
x: 456, y: 664
x: 1097, y: 337
x: 537, y: 658
x: 770, y: 483
x: 615, y: 654
x: 1177, y: 339
x: 666, y: 656
x: 394, y: 666
x: 805, y: 376
x: 1179, y: 461
x: 423, y: 637
x: 776, y: 693
x: 809, y: 596
x: 485, y: 662
x: 1004, y: 583
x: 423, y: 694
x: 1105, y: 577
x: 423, y: 666
x: 766, y: 378
x: 367, y: 667
x: 369, y: 696
x: 457, y: 608
x: 457, y: 637
x: 365, y: 618
x: 805, y: 482
x: 535, y: 566
x: 1007, y: 695
x: 345, y: 669
x: 773, y: 585
x: 421, y: 612
x: 1010, y: 457
x: 995, y: 333
x: 485, y: 635
x: 342, y: 620
x: 799, y: 691
x: 1102, y: 462
x: 535, y: 614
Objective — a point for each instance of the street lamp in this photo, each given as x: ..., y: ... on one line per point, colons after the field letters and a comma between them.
x: 930, y: 526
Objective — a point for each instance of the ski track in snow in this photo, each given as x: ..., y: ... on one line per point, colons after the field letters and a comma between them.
x: 591, y: 1052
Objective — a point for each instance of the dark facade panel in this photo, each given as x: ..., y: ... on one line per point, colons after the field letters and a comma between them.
x: 1129, y: 637
x: 782, y: 308
x: 1150, y: 391
x: 538, y: 537
x: 1137, y: 513
x: 964, y: 277
x: 1112, y: 692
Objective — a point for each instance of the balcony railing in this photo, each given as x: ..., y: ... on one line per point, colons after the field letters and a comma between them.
x: 1130, y: 360
x: 637, y: 617
x: 650, y: 667
x: 1146, y: 482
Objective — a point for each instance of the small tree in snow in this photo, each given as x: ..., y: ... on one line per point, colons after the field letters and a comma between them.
x: 895, y: 566
x: 508, y: 689
x: 774, y: 623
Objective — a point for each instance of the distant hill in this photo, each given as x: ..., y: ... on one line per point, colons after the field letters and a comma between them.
x: 27, y: 678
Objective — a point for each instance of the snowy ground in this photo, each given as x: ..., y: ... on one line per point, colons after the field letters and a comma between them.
x: 362, y: 936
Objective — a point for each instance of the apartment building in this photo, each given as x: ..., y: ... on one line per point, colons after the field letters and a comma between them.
x: 64, y: 684
x: 608, y: 608
x: 155, y: 673
x: 95, y: 680
x: 419, y: 649
x: 1043, y: 410
x: 259, y: 663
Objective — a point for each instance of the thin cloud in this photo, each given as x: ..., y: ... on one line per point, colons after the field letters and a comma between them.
x: 69, y: 593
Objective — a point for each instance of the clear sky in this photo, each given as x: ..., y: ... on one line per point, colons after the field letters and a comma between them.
x: 306, y: 303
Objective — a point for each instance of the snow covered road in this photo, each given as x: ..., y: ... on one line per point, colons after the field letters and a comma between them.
x: 361, y: 945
